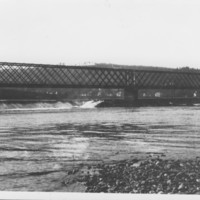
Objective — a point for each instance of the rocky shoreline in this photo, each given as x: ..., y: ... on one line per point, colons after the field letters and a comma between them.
x: 150, y: 175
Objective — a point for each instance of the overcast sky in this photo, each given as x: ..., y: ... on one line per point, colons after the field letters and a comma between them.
x: 134, y: 32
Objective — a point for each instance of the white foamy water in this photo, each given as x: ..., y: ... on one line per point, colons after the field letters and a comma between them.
x: 35, y: 107
x: 90, y: 104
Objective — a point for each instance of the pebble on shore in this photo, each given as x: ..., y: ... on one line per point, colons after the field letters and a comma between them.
x: 152, y: 175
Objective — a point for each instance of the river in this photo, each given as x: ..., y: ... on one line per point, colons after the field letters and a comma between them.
x: 39, y: 143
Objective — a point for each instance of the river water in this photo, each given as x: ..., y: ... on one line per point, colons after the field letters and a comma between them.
x: 38, y: 144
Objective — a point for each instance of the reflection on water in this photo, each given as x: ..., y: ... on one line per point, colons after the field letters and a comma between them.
x: 38, y: 148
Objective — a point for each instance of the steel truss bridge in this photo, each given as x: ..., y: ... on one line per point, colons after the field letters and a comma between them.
x: 97, y: 76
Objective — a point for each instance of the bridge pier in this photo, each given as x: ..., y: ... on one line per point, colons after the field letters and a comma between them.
x: 131, y: 96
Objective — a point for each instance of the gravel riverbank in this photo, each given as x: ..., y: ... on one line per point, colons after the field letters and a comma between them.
x: 150, y: 175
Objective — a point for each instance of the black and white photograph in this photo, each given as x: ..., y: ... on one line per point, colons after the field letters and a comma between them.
x: 100, y: 98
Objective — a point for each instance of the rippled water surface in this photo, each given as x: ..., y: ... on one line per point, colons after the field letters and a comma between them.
x: 37, y: 147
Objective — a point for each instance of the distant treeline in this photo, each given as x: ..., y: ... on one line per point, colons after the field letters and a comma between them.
x: 141, y: 67
x: 186, y: 69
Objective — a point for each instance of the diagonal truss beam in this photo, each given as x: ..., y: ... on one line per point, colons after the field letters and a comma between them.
x: 39, y: 75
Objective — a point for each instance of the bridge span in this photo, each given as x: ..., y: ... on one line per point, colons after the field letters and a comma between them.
x: 129, y: 78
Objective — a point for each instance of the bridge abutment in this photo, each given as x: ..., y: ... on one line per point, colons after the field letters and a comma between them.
x: 131, y: 96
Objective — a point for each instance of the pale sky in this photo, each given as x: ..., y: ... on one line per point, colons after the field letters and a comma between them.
x: 134, y: 32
